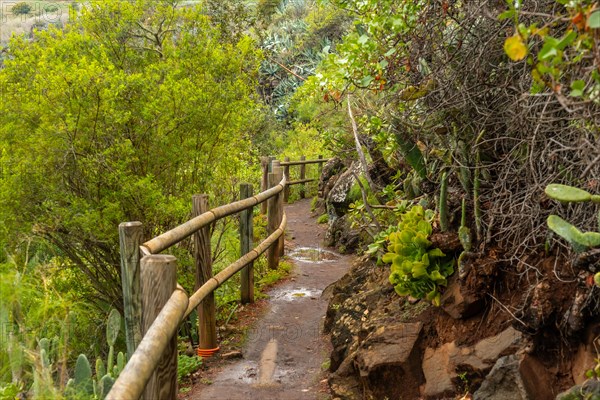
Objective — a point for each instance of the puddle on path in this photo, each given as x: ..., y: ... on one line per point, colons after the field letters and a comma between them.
x: 295, y: 294
x: 313, y: 255
x: 248, y: 372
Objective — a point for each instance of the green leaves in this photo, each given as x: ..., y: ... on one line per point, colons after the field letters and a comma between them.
x: 416, y: 269
x: 577, y: 88
x: 565, y: 56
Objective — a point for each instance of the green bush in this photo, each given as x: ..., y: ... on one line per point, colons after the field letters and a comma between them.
x: 51, y: 8
x: 22, y: 8
x: 417, y: 269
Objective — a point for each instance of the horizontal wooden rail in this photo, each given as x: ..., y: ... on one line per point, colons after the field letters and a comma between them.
x: 300, y: 181
x: 304, y: 162
x: 131, y: 382
x: 184, y: 230
x: 149, y: 372
x: 133, y: 379
x: 228, y: 272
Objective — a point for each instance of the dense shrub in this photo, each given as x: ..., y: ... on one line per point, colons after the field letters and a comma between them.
x: 22, y: 8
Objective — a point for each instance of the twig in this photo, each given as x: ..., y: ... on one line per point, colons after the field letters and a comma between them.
x: 508, y: 311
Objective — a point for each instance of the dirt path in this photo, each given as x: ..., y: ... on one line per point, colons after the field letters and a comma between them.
x: 285, y: 350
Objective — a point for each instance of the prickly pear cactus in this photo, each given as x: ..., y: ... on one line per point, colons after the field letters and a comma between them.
x: 113, y: 325
x: 444, y: 203
x: 106, y: 383
x: 44, y: 346
x: 566, y: 193
x: 578, y: 239
x: 83, y: 375
x: 100, y: 368
x: 121, y: 361
x: 464, y: 233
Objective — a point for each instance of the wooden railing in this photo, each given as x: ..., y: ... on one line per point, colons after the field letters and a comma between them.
x: 155, y: 305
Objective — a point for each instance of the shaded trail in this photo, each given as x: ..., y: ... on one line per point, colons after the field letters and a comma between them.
x: 285, y: 348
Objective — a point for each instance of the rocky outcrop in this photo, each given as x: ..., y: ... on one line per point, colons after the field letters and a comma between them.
x: 588, y: 390
x: 341, y: 235
x: 587, y: 353
x: 442, y: 365
x: 329, y: 176
x: 387, y: 346
x: 516, y: 378
x: 337, y: 198
x: 372, y: 346
x: 335, y: 186
x: 391, y: 353
x: 459, y: 302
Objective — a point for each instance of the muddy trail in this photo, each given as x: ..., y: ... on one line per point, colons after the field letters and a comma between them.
x: 285, y: 349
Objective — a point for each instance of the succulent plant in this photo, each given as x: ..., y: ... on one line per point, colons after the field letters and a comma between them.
x: 84, y: 384
x: 464, y: 235
x: 104, y: 386
x: 578, y: 239
x: 100, y: 368
x: 570, y: 194
x: 444, y: 203
x: 83, y: 376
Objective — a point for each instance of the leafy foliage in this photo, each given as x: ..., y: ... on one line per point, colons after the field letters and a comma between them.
x: 121, y: 116
x: 562, y: 55
x: 187, y: 365
x: 417, y: 269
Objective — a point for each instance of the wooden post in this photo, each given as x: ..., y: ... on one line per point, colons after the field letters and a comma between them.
x: 130, y: 238
x: 270, y: 165
x: 279, y: 175
x: 207, y: 323
x: 286, y: 173
x: 246, y: 232
x: 158, y: 277
x: 264, y: 183
x: 302, y: 176
x: 273, y: 223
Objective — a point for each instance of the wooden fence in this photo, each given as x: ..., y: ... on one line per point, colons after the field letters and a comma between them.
x: 155, y: 305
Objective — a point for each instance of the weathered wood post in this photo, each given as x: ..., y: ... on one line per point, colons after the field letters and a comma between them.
x: 246, y: 232
x: 130, y: 238
x: 158, y: 281
x: 302, y: 177
x: 278, y: 176
x: 264, y: 182
x: 207, y: 324
x: 273, y: 223
x: 286, y: 173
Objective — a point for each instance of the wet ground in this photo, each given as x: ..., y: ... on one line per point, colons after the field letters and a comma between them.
x: 285, y: 350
